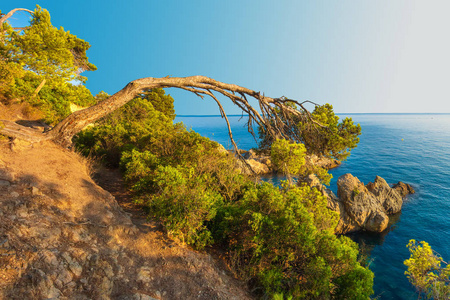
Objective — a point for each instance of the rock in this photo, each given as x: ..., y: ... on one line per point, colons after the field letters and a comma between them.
x: 365, y: 207
x: 4, y: 183
x: 65, y: 276
x: 14, y: 194
x: 348, y: 186
x: 249, y: 154
x: 257, y: 167
x: 144, y: 274
x: 377, y: 222
x: 53, y: 293
x: 389, y: 198
x: 312, y: 181
x: 222, y: 149
x: 360, y: 207
x: 76, y: 268
x: 35, y: 191
x: 49, y: 258
x: 403, y: 189
x: 7, y: 174
x: 322, y: 162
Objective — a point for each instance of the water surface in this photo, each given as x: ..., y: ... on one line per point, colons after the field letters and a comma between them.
x: 413, y: 148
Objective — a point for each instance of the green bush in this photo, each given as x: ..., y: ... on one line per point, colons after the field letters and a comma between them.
x: 285, y: 239
x: 279, y: 239
x: 428, y: 271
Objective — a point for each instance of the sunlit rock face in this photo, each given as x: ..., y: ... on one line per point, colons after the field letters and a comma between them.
x: 363, y: 207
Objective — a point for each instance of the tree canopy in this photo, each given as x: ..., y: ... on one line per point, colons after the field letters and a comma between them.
x: 41, y: 65
x: 326, y: 136
x: 427, y: 271
x: 46, y: 50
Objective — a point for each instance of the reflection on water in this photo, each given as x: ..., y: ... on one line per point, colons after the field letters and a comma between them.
x: 368, y: 240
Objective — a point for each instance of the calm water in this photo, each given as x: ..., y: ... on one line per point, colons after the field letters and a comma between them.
x: 414, y: 148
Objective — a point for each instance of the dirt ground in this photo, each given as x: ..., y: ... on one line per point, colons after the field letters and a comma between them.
x: 62, y: 236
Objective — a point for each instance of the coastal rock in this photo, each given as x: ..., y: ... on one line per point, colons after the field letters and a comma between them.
x: 403, y: 189
x: 388, y: 197
x: 262, y: 164
x: 322, y: 162
x: 377, y: 222
x: 249, y: 154
x: 258, y: 167
x: 366, y: 207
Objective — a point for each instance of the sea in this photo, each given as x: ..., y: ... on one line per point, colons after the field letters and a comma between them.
x: 413, y: 148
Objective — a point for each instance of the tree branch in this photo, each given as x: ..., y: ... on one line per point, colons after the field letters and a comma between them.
x: 8, y: 15
x: 63, y: 132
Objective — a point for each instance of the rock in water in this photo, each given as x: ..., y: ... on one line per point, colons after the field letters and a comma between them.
x: 367, y: 207
x: 391, y: 200
x: 403, y: 189
x: 361, y: 206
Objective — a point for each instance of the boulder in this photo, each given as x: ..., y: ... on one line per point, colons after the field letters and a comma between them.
x: 367, y: 207
x: 388, y: 197
x: 249, y: 154
x: 322, y: 162
x: 403, y: 189
x: 258, y: 167
x: 377, y: 222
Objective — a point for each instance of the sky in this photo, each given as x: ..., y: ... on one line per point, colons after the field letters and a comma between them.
x: 380, y: 56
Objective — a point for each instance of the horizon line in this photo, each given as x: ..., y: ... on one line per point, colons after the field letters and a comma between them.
x: 340, y: 113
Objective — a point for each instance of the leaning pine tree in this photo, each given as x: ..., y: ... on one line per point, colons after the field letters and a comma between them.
x: 283, y: 238
x: 277, y: 115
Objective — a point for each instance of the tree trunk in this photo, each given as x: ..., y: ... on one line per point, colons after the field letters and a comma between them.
x: 268, y: 119
x: 38, y: 89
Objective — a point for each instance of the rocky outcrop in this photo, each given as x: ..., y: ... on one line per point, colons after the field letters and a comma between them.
x: 363, y: 207
x: 322, y: 162
x: 261, y: 163
x: 403, y: 188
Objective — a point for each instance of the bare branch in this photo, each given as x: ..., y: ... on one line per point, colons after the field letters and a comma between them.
x: 8, y: 15
x: 268, y: 119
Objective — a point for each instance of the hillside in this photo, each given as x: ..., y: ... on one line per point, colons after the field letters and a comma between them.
x: 64, y: 237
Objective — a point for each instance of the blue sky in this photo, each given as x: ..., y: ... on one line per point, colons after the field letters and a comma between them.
x: 361, y: 56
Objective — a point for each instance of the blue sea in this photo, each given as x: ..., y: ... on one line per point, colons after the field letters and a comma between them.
x: 413, y: 148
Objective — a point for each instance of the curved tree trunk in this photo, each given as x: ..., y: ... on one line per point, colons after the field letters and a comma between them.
x: 268, y: 116
x: 268, y: 119
x: 8, y: 15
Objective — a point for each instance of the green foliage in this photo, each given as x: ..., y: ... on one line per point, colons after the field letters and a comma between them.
x: 46, y: 50
x: 281, y: 239
x: 180, y: 176
x: 43, y: 54
x: 335, y: 140
x: 134, y: 126
x: 160, y: 101
x: 425, y: 271
x: 285, y: 239
x: 287, y: 157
